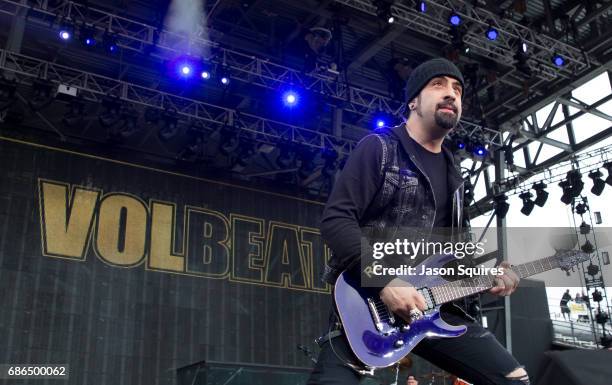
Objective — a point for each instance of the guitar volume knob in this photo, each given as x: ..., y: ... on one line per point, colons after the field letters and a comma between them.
x: 399, y: 343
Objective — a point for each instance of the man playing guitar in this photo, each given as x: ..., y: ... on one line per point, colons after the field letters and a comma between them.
x: 429, y: 189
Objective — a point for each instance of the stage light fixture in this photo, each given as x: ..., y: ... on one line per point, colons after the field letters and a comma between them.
x: 88, y: 36
x: 541, y: 194
x: 459, y: 143
x: 492, y: 34
x: 575, y: 179
x: 501, y: 206
x: 42, y: 94
x: 290, y: 98
x: 454, y: 19
x: 66, y: 31
x: 521, y: 57
x: 421, y: 6
x: 383, y: 11
x: 205, y: 74
x: 169, y: 126
x: 598, y: 183
x: 111, y: 114
x: 608, y: 167
x: 566, y: 196
x: 558, y: 60
x: 528, y: 204
x: 480, y: 150
x: 581, y: 208
x: 286, y: 155
x: 229, y: 140
x: 110, y: 43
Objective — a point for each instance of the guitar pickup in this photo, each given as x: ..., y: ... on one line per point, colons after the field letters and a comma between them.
x: 428, y: 295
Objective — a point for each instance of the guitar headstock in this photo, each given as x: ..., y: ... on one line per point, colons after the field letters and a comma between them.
x: 570, y: 258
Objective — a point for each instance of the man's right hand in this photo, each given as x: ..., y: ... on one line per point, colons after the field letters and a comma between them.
x: 401, y: 297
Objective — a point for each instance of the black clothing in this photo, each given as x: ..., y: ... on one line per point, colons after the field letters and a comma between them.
x: 435, y: 166
x: 384, y: 187
x: 476, y: 357
x: 377, y: 199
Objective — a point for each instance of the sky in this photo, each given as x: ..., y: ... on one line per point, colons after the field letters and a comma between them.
x: 555, y: 213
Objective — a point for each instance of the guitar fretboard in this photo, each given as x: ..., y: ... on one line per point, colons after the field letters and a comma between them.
x: 455, y: 290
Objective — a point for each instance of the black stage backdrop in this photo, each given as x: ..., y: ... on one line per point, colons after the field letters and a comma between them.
x: 127, y: 272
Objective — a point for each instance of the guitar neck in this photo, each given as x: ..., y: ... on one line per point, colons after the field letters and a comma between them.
x: 455, y: 290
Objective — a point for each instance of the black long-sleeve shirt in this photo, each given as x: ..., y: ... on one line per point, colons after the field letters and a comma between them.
x: 358, y: 184
x: 353, y: 192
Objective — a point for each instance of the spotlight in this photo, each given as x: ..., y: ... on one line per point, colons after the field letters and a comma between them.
x: 110, y: 43
x: 205, y: 74
x: 186, y: 70
x: 169, y: 127
x: 229, y: 141
x: 589, y: 248
x: 286, y: 155
x: 42, y: 95
x: 521, y: 59
x: 459, y: 143
x: 598, y: 182
x: 457, y: 40
x: 66, y: 31
x: 492, y: 33
x: 575, y: 179
x: 454, y: 19
x: 75, y: 113
x: 223, y: 75
x: 501, y: 206
x: 88, y: 37
x: 581, y: 208
x: 566, y: 197
x: 528, y: 204
x: 608, y: 167
x: 290, y: 98
x: 383, y: 11
x: 541, y: 194
x: 421, y: 6
x: 558, y: 60
x: 480, y: 150
x: 112, y: 107
x: 380, y: 123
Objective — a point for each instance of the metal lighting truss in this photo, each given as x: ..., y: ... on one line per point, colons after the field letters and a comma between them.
x: 94, y: 87
x: 138, y: 36
x: 434, y: 23
x: 587, y: 162
x: 528, y: 129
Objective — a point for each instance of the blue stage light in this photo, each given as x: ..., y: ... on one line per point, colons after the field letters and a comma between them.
x: 65, y: 34
x: 110, y: 43
x: 186, y: 70
x: 290, y: 98
x: 225, y: 80
x: 380, y: 123
x: 480, y: 150
x: 559, y: 60
x: 492, y: 34
x: 205, y: 74
x: 422, y: 7
x: 454, y: 19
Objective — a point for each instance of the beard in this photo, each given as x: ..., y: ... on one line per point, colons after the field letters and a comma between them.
x: 446, y: 120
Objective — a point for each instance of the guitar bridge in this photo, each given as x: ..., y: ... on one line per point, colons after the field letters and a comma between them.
x: 375, y: 315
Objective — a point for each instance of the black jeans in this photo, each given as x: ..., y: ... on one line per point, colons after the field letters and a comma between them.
x: 476, y: 357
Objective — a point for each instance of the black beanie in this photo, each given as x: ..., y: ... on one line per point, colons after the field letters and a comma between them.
x: 428, y: 70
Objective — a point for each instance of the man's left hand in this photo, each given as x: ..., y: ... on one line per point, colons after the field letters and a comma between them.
x: 507, y: 283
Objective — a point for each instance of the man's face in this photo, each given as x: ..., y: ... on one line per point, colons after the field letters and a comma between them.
x: 439, y: 103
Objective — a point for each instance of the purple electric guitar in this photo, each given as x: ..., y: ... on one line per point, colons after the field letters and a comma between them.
x: 379, y: 338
